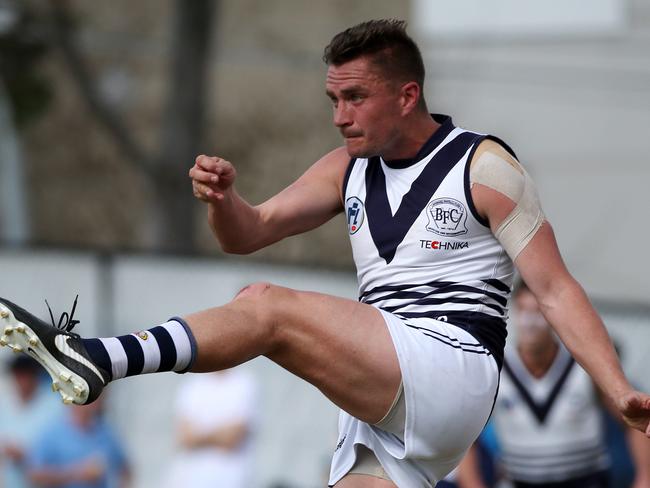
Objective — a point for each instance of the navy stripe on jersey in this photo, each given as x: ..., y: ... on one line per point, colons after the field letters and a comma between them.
x: 467, y: 184
x: 498, y: 284
x: 502, y: 144
x: 446, y: 126
x: 436, y: 295
x: 469, y: 297
x: 442, y: 301
x: 408, y: 294
x: 540, y: 410
x: 346, y: 178
x: 388, y: 230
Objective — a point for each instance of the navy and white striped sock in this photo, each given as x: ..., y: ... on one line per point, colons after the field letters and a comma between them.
x: 168, y: 347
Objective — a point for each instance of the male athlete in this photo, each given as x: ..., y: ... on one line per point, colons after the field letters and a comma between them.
x: 548, y: 416
x: 436, y: 215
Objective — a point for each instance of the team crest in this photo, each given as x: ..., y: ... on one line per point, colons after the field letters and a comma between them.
x: 143, y: 335
x: 447, y: 217
x: 355, y: 214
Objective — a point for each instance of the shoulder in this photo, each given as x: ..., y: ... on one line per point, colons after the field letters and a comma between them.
x: 490, y: 149
x: 497, y: 180
x: 330, y: 169
x: 335, y: 161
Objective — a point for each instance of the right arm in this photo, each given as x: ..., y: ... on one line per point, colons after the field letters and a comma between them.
x: 241, y: 228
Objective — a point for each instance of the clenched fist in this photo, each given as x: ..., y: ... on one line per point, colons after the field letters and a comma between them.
x: 211, y: 177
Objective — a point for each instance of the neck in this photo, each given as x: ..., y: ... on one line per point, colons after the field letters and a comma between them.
x: 414, y: 133
x: 538, y: 357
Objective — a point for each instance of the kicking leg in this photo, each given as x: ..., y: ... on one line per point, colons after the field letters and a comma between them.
x: 340, y: 346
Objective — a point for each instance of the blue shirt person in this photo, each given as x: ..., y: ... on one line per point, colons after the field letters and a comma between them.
x: 26, y: 408
x: 80, y: 450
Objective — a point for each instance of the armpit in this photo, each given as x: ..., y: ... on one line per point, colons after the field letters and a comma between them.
x: 496, y: 168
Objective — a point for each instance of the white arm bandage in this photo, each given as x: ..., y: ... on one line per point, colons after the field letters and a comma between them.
x: 495, y: 168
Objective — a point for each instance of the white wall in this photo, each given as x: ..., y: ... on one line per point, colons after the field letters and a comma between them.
x: 577, y: 112
x: 499, y: 18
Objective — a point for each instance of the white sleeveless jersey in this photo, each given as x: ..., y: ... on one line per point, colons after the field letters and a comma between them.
x: 420, y: 247
x: 549, y: 429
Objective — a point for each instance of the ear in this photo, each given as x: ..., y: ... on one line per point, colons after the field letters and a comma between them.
x: 410, y: 97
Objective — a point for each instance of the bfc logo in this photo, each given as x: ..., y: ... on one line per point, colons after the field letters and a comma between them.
x: 355, y: 214
x: 447, y: 217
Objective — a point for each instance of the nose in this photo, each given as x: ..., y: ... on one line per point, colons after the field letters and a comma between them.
x: 342, y: 116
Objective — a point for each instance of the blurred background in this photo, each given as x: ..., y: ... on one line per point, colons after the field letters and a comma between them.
x: 104, y: 105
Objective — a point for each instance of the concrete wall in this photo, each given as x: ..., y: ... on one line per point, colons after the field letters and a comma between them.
x: 576, y: 109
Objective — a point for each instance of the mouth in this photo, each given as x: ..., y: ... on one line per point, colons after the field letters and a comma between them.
x: 348, y: 137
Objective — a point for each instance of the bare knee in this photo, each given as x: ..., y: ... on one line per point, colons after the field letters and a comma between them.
x: 267, y: 302
x: 254, y: 290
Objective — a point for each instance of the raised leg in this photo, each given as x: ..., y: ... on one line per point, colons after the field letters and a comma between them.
x: 340, y: 346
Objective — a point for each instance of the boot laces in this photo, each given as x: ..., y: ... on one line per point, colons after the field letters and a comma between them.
x: 66, y: 320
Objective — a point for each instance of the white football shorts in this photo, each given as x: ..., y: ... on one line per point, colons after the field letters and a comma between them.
x: 450, y: 384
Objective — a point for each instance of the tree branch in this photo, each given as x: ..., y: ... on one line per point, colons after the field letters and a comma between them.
x: 63, y: 30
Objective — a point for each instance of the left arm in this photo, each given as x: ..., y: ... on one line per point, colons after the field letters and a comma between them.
x: 564, y: 303
x: 567, y: 308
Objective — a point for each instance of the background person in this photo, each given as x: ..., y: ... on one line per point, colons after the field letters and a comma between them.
x: 548, y: 416
x: 24, y: 412
x: 216, y: 415
x: 79, y: 450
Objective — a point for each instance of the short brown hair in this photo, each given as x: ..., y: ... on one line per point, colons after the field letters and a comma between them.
x: 386, y: 41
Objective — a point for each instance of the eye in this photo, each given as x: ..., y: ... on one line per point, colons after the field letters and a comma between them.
x: 356, y: 98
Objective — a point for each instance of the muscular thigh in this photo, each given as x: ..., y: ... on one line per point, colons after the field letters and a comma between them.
x: 341, y: 346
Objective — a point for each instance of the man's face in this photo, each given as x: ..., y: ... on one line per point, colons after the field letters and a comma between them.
x: 366, y: 107
x: 531, y: 325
